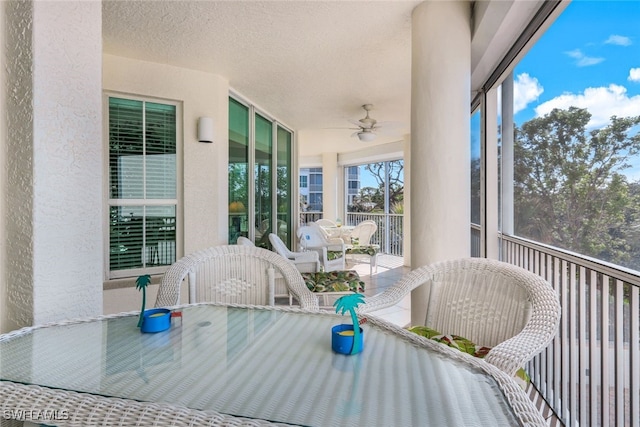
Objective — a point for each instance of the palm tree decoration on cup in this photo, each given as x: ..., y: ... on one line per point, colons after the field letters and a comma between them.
x: 141, y: 284
x: 350, y: 303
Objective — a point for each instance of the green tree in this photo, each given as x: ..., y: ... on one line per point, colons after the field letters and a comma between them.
x: 371, y: 199
x: 569, y: 188
x: 396, y: 180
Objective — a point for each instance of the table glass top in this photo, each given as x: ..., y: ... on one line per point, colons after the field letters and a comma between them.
x: 259, y: 363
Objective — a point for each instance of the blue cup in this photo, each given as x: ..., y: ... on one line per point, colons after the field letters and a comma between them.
x: 342, y: 338
x: 156, y: 320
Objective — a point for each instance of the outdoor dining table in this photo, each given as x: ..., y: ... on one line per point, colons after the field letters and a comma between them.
x: 222, y: 364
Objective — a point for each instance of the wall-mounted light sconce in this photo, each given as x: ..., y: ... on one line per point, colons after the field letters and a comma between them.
x: 205, y: 129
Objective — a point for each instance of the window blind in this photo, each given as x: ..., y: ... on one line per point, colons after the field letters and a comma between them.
x: 142, y: 185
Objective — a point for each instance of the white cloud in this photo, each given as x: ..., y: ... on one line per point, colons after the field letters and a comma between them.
x: 634, y: 75
x: 602, y: 103
x: 618, y: 40
x: 526, y: 89
x: 582, y: 60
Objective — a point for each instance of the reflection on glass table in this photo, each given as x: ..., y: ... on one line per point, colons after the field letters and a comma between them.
x: 273, y: 364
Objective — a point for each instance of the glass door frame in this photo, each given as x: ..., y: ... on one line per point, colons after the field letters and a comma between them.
x: 253, y: 110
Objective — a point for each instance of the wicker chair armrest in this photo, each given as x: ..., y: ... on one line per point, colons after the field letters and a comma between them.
x: 396, y: 292
x: 309, y: 256
x: 538, y: 332
x: 338, y: 242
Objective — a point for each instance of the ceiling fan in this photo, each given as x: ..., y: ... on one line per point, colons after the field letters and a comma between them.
x: 367, y: 126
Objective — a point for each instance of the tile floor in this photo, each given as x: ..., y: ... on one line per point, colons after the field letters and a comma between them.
x: 390, y: 269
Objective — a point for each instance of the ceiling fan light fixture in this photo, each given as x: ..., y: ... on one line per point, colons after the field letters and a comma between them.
x: 366, y: 136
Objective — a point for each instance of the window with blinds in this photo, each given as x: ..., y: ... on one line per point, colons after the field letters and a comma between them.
x: 142, y: 187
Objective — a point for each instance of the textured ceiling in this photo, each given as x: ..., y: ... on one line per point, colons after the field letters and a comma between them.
x: 311, y: 64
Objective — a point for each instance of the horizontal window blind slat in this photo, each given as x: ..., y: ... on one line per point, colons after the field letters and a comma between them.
x: 142, y: 175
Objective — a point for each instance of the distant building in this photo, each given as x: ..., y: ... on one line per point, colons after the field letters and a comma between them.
x: 311, y: 189
x: 353, y: 183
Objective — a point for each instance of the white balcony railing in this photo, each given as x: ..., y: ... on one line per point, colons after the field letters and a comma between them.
x: 307, y: 217
x: 388, y: 235
x: 590, y: 373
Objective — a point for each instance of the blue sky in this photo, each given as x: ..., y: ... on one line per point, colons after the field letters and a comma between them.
x: 589, y: 58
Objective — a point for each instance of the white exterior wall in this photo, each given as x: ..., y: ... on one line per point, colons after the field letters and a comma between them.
x: 331, y: 205
x: 53, y: 184
x: 202, y: 167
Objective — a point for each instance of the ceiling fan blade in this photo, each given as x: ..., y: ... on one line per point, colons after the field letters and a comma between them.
x: 389, y: 124
x: 368, y: 123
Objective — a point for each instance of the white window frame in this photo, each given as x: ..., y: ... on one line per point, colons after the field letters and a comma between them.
x: 177, y: 202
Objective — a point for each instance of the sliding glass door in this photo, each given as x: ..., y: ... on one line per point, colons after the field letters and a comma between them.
x: 261, y: 203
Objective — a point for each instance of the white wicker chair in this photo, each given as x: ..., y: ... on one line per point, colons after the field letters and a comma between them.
x: 490, y: 302
x: 233, y: 274
x: 359, y: 246
x: 244, y: 241
x: 323, y: 222
x: 313, y: 238
x: 305, y: 262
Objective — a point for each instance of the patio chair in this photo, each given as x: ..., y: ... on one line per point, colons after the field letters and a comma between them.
x: 323, y: 222
x: 244, y: 241
x: 305, y: 262
x: 491, y: 303
x: 330, y: 250
x: 360, y: 247
x: 233, y: 274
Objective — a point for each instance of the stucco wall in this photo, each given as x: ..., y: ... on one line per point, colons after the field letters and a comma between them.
x: 203, y: 166
x: 3, y: 178
x: 53, y: 154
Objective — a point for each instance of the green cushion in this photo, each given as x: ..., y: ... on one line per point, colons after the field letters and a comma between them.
x: 466, y: 346
x: 454, y: 341
x: 334, y: 281
x: 362, y: 250
x: 331, y: 255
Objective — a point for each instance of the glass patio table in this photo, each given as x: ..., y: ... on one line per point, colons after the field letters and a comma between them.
x: 221, y: 365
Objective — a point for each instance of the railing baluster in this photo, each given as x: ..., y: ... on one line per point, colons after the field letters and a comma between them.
x: 573, y: 350
x: 634, y: 356
x: 604, y: 350
x: 582, y: 347
x: 619, y: 354
x: 566, y: 344
x: 594, y: 371
x: 549, y: 357
x: 557, y: 346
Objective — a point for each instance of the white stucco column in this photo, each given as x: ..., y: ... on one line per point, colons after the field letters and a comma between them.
x: 54, y: 191
x: 330, y: 181
x: 440, y: 147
